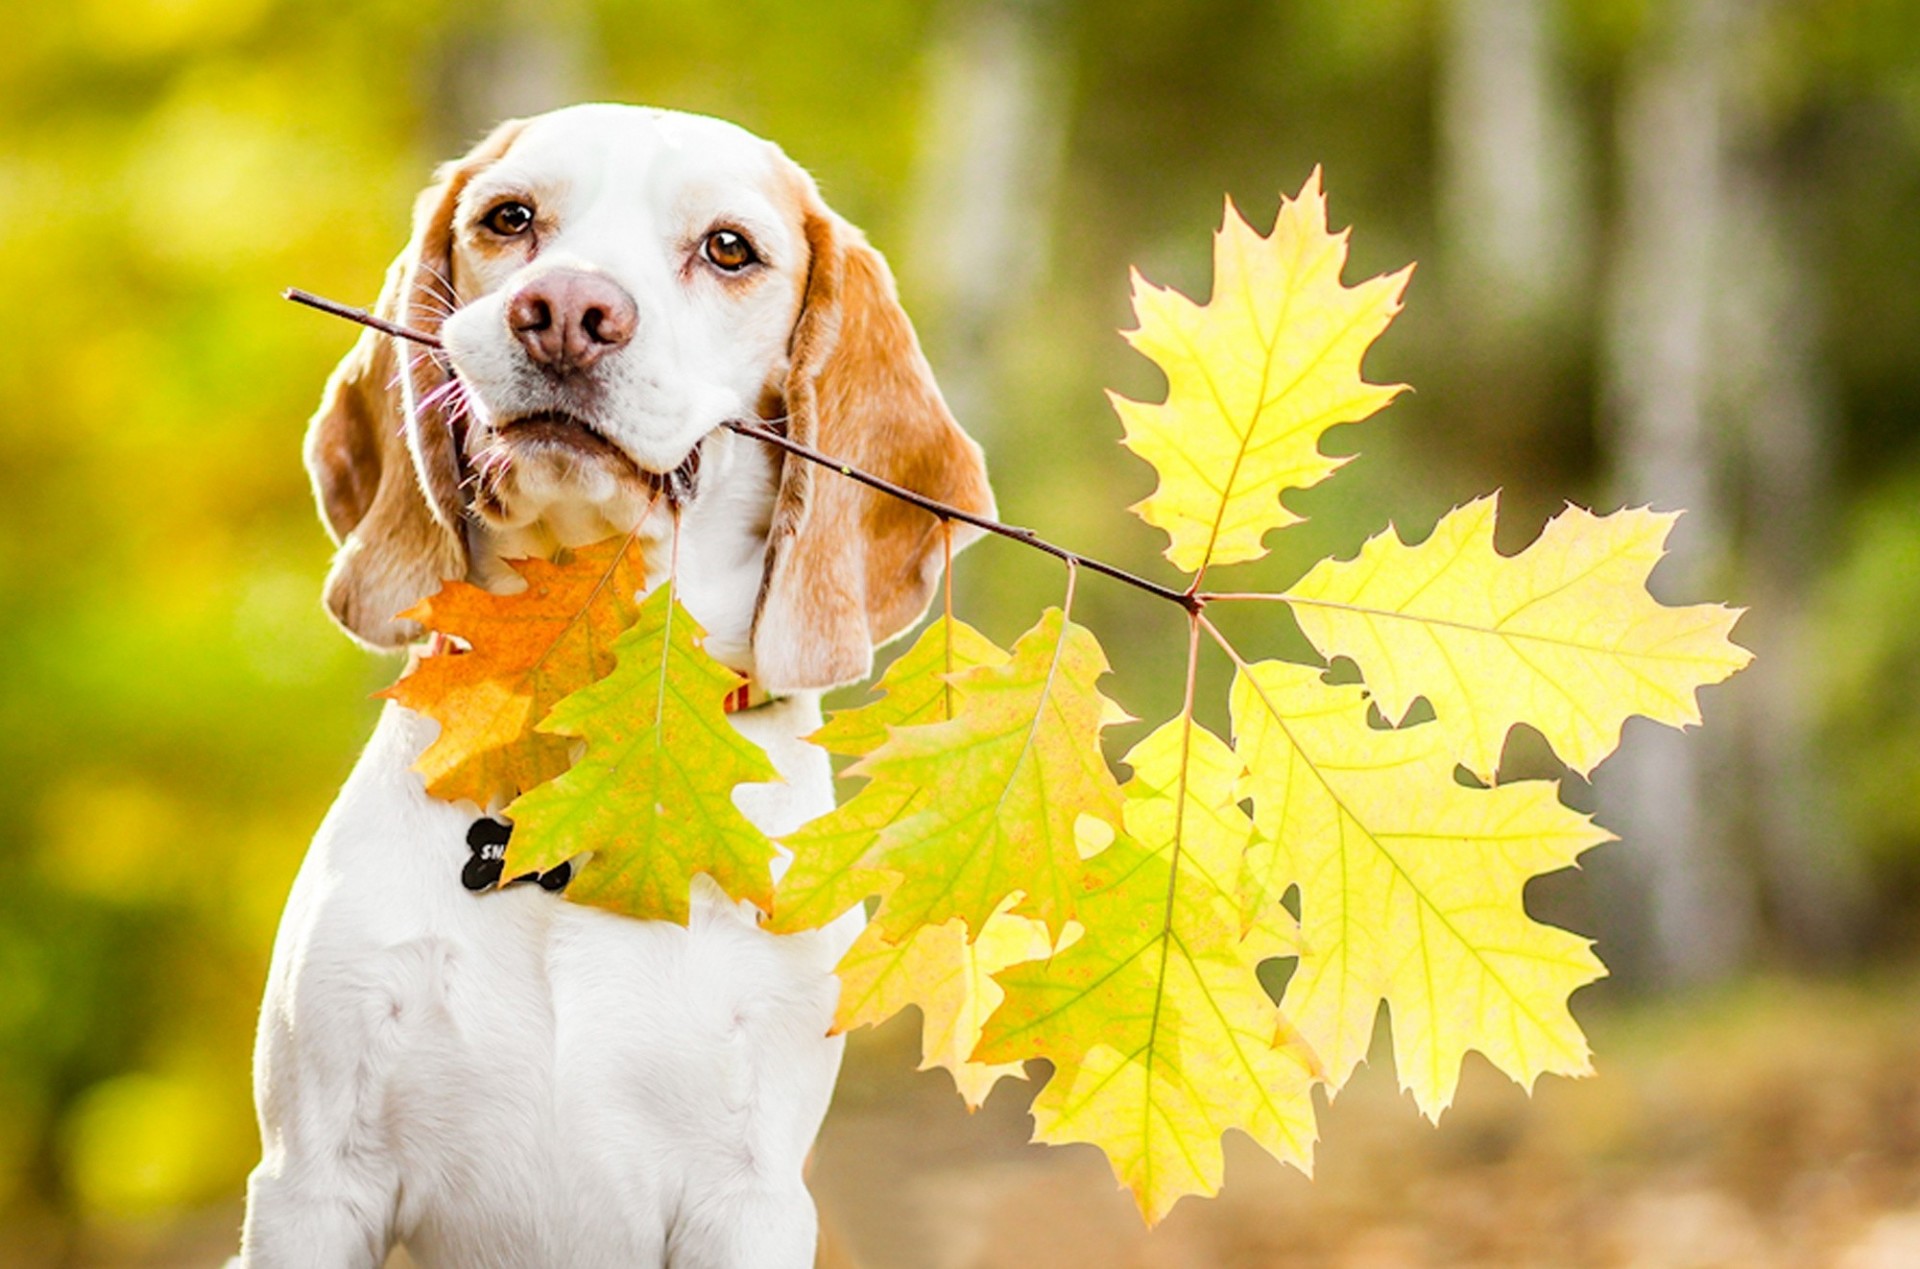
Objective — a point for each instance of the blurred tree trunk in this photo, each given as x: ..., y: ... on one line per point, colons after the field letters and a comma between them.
x: 1668, y: 794
x: 504, y: 58
x: 1514, y: 246
x: 1776, y: 395
x: 1514, y: 233
x: 995, y: 130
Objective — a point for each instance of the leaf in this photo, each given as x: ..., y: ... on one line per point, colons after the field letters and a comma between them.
x: 914, y: 689
x: 1254, y: 376
x: 951, y: 980
x: 1160, y: 1032
x: 525, y: 651
x: 832, y: 869
x: 1410, y: 889
x: 1563, y: 636
x: 652, y: 796
x: 1005, y: 781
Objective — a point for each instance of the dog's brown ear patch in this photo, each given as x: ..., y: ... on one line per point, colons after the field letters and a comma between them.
x: 848, y: 567
x: 385, y: 470
x: 343, y: 449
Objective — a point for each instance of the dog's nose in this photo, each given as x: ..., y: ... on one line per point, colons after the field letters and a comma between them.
x: 568, y: 319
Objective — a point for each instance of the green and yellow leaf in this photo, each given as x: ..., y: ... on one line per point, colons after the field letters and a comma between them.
x: 524, y: 652
x: 1254, y: 377
x: 1410, y: 889
x: 1161, y: 1035
x: 1563, y: 636
x: 950, y: 979
x: 652, y: 795
x: 1003, y: 784
x: 833, y: 864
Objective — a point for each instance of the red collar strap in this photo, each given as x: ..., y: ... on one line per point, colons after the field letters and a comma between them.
x: 749, y: 695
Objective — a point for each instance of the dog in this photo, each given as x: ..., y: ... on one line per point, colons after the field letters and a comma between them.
x: 504, y: 1078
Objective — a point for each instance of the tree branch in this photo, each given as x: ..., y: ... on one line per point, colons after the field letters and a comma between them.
x: 359, y: 315
x: 946, y: 511
x: 760, y: 431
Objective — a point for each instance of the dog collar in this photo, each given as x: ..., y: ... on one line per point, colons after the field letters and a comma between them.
x: 749, y: 695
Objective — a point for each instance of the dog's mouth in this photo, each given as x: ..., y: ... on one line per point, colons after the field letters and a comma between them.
x: 558, y: 430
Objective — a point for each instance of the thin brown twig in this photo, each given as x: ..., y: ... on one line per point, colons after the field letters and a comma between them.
x: 359, y: 315
x: 947, y: 511
x: 760, y: 431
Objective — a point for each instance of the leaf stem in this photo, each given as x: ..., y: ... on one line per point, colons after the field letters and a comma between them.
x: 946, y: 680
x: 1209, y: 596
x: 1213, y: 631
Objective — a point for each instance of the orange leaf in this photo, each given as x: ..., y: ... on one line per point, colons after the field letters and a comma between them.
x: 523, y: 653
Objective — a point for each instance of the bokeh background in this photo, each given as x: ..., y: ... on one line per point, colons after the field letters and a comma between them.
x: 1669, y: 252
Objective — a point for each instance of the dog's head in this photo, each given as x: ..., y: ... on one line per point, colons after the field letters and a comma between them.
x: 612, y: 283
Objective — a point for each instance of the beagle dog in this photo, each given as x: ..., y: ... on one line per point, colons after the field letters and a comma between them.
x: 503, y: 1078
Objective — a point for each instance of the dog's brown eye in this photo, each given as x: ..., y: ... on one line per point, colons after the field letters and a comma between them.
x: 509, y: 219
x: 729, y: 250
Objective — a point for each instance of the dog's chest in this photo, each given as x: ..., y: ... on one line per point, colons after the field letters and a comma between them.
x: 542, y: 1073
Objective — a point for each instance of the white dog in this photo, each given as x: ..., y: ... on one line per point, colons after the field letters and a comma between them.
x: 503, y: 1077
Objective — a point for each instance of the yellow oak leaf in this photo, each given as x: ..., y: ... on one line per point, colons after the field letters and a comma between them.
x: 833, y: 866
x: 1005, y: 781
x: 652, y: 795
x: 951, y: 980
x: 523, y: 653
x: 1161, y: 1035
x: 914, y: 689
x: 1410, y: 889
x: 1254, y: 376
x: 1563, y: 636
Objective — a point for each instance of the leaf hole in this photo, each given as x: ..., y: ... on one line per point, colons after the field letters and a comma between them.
x: 1342, y: 672
x: 1274, y: 974
x: 1526, y: 755
x: 1421, y: 711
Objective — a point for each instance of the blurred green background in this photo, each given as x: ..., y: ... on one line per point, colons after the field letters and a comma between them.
x: 1669, y: 251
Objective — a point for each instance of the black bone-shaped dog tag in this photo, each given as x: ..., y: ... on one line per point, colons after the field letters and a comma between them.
x: 487, y: 838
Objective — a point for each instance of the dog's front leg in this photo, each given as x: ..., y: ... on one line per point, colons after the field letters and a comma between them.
x: 757, y: 1230
x: 324, y: 1195
x: 295, y: 1221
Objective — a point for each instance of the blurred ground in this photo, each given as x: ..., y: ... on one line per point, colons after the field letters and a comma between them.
x: 1778, y: 1125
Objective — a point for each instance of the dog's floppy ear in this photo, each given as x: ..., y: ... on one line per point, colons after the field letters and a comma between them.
x: 383, y: 458
x: 848, y: 567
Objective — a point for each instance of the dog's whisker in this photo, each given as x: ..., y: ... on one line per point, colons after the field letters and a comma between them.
x: 436, y: 274
x: 452, y: 392
x: 430, y: 284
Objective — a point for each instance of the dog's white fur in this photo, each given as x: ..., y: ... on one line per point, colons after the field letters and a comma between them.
x: 510, y: 1079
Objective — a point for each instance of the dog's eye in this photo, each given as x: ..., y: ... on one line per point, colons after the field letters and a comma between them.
x: 509, y: 219
x: 729, y: 250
